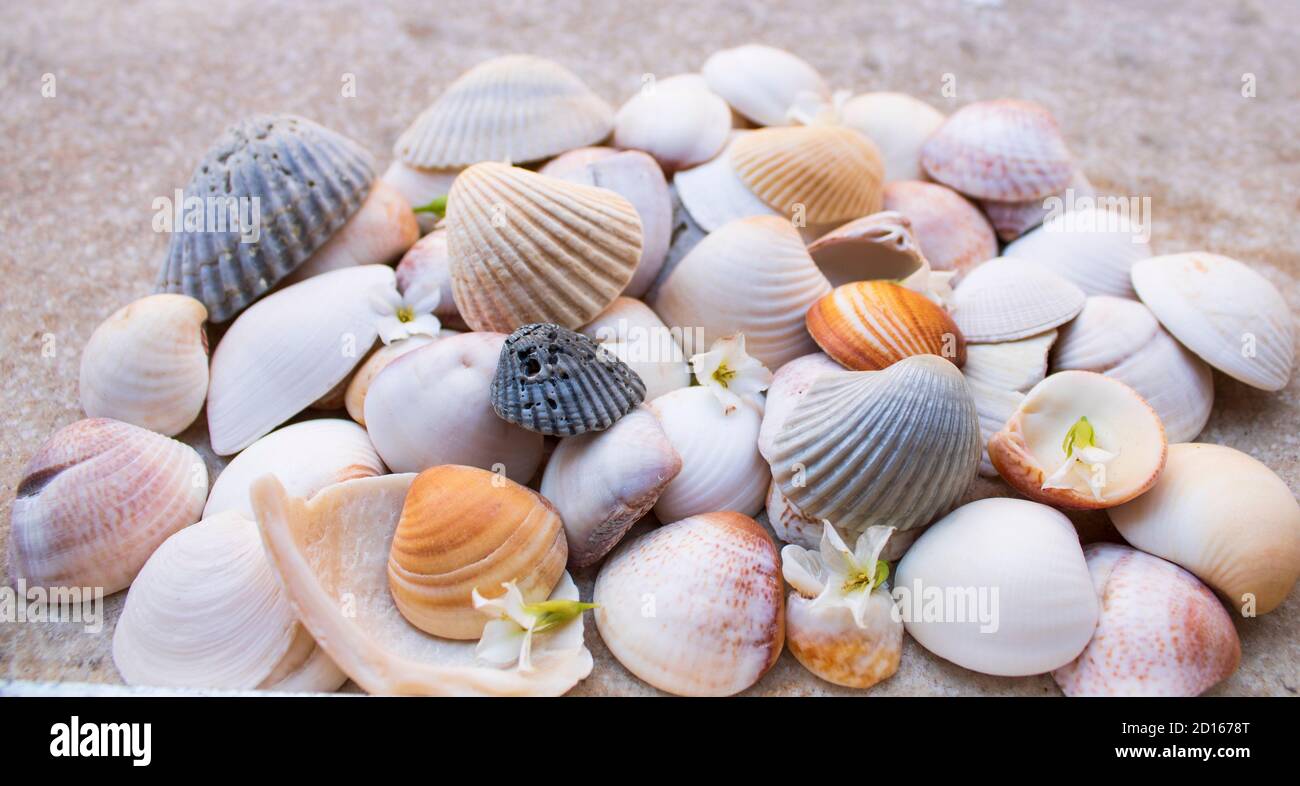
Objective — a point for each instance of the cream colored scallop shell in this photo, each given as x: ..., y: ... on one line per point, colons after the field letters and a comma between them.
x: 995, y: 406
x: 1091, y: 247
x: 823, y: 174
x: 1008, y: 299
x: 713, y: 194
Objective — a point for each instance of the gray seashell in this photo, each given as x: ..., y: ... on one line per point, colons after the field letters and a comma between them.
x: 308, y: 181
x: 554, y: 381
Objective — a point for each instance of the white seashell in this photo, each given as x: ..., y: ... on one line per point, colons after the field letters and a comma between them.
x: 147, y: 364
x: 789, y: 384
x: 899, y: 125
x: 677, y: 120
x: 714, y: 194
x: 762, y: 82
x: 1007, y: 299
x: 635, y: 334
x: 1107, y: 331
x: 425, y: 266
x: 1092, y: 247
x: 354, y: 397
x: 1013, y: 219
x: 377, y: 234
x: 572, y: 162
x: 721, y: 466
x: 1022, y: 599
x: 1219, y: 308
x: 208, y: 612
x: 1009, y: 365
x: 793, y: 526
x: 419, y: 186
x: 995, y: 406
x: 953, y: 233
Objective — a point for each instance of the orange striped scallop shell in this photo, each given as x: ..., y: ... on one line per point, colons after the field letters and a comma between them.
x: 869, y: 325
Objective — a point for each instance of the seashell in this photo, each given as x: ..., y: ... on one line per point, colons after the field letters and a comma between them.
x: 147, y: 364
x: 1225, y: 517
x: 334, y: 399
x: 1008, y: 299
x: 1013, y: 219
x: 898, y: 124
x: 721, y: 466
x: 573, y: 162
x: 789, y: 523
x: 515, y: 108
x: 632, y: 332
x: 1218, y: 307
x: 427, y: 265
x: 310, y: 180
x: 1121, y: 339
x: 207, y: 611
x: 463, y: 529
x: 752, y: 276
x: 789, y: 384
x: 289, y: 350
x: 1010, y: 365
x: 1005, y: 150
x: 677, y: 120
x: 96, y: 500
x: 762, y: 82
x: 1024, y: 600
x: 420, y: 186
x: 305, y: 456
x: 719, y: 616
x: 433, y: 406
x: 558, y: 382
x: 1030, y: 448
x: 994, y: 406
x: 833, y: 172
x: 878, y: 246
x: 714, y: 195
x: 895, y: 447
x: 331, y: 554
x: 1160, y: 631
x: 603, y: 483
x: 379, y: 234
x: 528, y: 248
x: 1091, y: 247
x: 354, y: 397
x: 871, y: 325
x: 953, y: 233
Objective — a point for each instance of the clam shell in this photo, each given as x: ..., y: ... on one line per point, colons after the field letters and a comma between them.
x: 895, y: 447
x: 828, y: 642
x: 1013, y: 219
x: 378, y: 234
x: 1009, y: 299
x: 873, y: 324
x: 1024, y: 599
x: 632, y: 332
x: 677, y: 120
x: 752, y: 276
x: 515, y: 108
x: 714, y: 195
x: 96, y: 500
x: 308, y: 181
x: 1107, y: 331
x: 354, y: 396
x: 1091, y: 247
x: 878, y: 246
x: 1226, y: 313
x: 953, y: 233
x: 762, y: 82
x: 789, y: 384
x: 427, y: 265
x: 147, y: 364
x: 694, y: 608
x: 1225, y: 517
x: 995, y: 406
x: 898, y: 124
x: 1005, y: 150
x: 833, y: 172
x: 1160, y: 632
x: 529, y: 248
x: 1010, y: 365
x: 207, y: 611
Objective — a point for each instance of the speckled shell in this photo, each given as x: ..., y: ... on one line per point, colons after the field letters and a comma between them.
x: 632, y: 332
x: 677, y: 120
x: 898, y: 124
x: 1161, y: 632
x: 871, y: 325
x: 953, y: 233
x: 713, y: 194
x: 1010, y: 365
x: 762, y: 82
x: 878, y: 246
x: 529, y: 248
x: 829, y: 643
x: 96, y: 500
x: 516, y: 108
x: 1013, y: 219
x: 717, y: 616
x: 835, y: 173
x: 789, y: 384
x: 1093, y: 248
x: 308, y: 181
x: 1008, y: 299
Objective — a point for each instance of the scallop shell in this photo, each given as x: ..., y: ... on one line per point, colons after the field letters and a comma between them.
x: 898, y: 124
x: 433, y: 406
x: 1226, y: 313
x: 1225, y: 517
x: 762, y: 82
x: 1020, y: 600
x: 871, y: 325
x: 1160, y: 632
x: 1091, y: 247
x: 695, y: 607
x: 289, y: 350
x: 1013, y: 219
x: 1010, y: 365
x: 752, y: 276
x: 953, y: 233
x: 895, y: 447
x: 96, y: 500
x: 878, y: 246
x: 515, y: 108
x: 1005, y: 150
x: 1008, y: 299
x: 354, y: 396
x: 677, y: 120
x: 995, y: 406
x: 789, y: 384
x: 147, y: 364
x: 425, y: 266
x: 378, y: 234
x: 833, y: 172
x: 632, y: 332
x: 208, y: 612
x: 714, y: 195
x: 529, y: 248
x: 307, y: 180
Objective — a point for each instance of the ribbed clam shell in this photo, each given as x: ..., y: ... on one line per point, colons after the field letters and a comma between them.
x: 753, y: 276
x: 558, y: 382
x: 1006, y: 150
x: 895, y: 447
x: 515, y: 108
x: 354, y: 395
x: 1226, y: 313
x: 1010, y: 365
x: 632, y: 332
x: 1107, y: 331
x: 762, y: 82
x: 96, y: 500
x: 529, y: 248
x: 898, y: 124
x: 308, y: 181
x: 878, y: 246
x: 834, y: 173
x: 1009, y: 299
x: 208, y: 612
x: 1160, y: 632
x: 789, y: 384
x: 147, y: 364
x: 677, y: 120
x: 377, y: 234
x: 1013, y: 219
x: 953, y: 233
x: 695, y: 607
x: 713, y: 194
x: 871, y: 325
x: 995, y: 406
x: 1092, y: 247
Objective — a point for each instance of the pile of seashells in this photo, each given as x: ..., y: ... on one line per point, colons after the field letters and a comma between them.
x: 762, y: 298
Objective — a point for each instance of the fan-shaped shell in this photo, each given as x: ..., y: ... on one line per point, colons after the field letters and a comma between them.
x: 1008, y: 299
x: 762, y: 82
x: 833, y: 172
x: 898, y: 124
x: 871, y: 325
x: 354, y: 395
x: 677, y: 120
x: 1010, y: 365
x: 1013, y: 219
x: 714, y: 195
x: 377, y: 234
x: 953, y: 233
x: 789, y: 384
x: 632, y: 332
x: 1092, y: 247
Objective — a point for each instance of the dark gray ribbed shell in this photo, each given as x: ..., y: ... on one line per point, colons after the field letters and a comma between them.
x: 308, y: 181
x: 554, y: 381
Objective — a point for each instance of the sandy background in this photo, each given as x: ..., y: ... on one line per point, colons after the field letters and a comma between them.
x: 1149, y: 95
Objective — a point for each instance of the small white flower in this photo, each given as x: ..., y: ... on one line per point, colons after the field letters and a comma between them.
x: 1083, y: 461
x: 403, y: 316
x: 836, y: 575
x: 729, y: 372
x: 509, y: 637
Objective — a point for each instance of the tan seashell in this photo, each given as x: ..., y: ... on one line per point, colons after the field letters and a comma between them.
x: 677, y: 120
x: 834, y: 172
x: 147, y: 364
x: 528, y: 248
x: 1091, y: 247
x: 426, y: 265
x: 377, y: 234
x: 789, y: 384
x: 1013, y: 219
x: 878, y: 246
x: 1009, y: 299
x: 713, y: 194
x: 871, y: 325
x: 354, y: 396
x: 762, y: 82
x: 1010, y: 365
x: 953, y: 233
x: 898, y: 124
x: 632, y: 332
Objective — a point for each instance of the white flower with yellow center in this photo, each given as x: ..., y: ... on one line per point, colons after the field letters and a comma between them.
x: 729, y: 372
x: 403, y: 316
x: 1083, y: 461
x: 836, y: 575
x: 518, y: 629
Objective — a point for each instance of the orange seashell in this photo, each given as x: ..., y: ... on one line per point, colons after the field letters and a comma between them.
x: 870, y: 325
x: 834, y: 172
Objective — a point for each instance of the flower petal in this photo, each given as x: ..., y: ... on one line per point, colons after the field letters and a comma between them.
x: 802, y: 570
x: 501, y: 643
